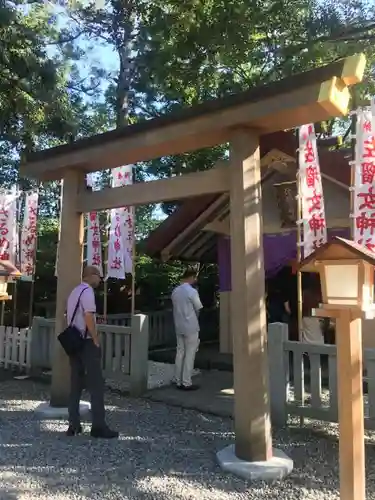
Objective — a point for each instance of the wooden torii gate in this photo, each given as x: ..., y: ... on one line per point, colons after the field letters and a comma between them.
x: 240, y: 120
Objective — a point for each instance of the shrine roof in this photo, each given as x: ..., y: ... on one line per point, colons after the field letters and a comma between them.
x: 199, y: 245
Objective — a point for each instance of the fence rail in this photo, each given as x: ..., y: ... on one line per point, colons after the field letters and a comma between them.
x: 161, y: 328
x: 303, y: 379
x: 124, y: 350
x: 15, y: 347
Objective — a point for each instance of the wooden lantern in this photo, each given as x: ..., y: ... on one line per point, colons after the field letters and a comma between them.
x: 346, y: 274
x: 347, y: 278
x: 7, y: 271
x: 3, y: 287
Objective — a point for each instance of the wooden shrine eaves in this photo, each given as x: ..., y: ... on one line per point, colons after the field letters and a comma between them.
x: 312, y: 96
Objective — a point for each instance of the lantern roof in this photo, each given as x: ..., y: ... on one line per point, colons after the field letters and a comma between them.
x: 337, y: 249
x: 8, y: 269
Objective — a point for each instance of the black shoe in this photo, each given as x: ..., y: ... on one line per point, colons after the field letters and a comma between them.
x: 104, y: 433
x: 74, y: 431
x: 188, y: 387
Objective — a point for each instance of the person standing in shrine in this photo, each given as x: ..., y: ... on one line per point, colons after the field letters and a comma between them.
x: 312, y: 327
x: 186, y: 306
x: 81, y: 313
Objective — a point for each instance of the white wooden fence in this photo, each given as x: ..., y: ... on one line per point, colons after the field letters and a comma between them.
x: 15, y: 348
x: 303, y: 379
x: 161, y: 328
x: 124, y: 350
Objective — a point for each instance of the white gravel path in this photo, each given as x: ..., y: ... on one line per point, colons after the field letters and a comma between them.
x: 164, y: 453
x: 159, y: 375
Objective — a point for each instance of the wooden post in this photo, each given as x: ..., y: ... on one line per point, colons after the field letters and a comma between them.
x: 139, y: 355
x: 69, y: 270
x: 350, y: 406
x: 31, y: 300
x: 299, y: 248
x: 225, y: 332
x: 2, y: 313
x: 279, y: 371
x: 105, y: 267
x: 353, y: 130
x: 14, y: 313
x: 248, y: 316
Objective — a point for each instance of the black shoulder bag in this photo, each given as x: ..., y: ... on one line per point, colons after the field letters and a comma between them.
x: 71, y: 338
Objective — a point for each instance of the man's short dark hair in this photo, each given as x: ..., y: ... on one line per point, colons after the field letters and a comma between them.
x: 189, y: 273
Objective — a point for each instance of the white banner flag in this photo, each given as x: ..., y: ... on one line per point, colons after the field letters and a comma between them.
x: 94, y: 244
x: 311, y: 192
x: 29, y: 236
x: 8, y: 226
x: 120, y: 244
x: 364, y: 179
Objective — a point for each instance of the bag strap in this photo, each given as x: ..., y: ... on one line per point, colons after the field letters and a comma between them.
x: 77, y: 305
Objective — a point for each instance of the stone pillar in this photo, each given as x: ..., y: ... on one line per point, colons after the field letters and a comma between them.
x: 247, y: 308
x: 69, y: 271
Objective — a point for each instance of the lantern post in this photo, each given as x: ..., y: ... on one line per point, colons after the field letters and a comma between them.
x: 347, y: 279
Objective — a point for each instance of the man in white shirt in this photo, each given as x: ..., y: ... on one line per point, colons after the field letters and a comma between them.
x: 186, y: 307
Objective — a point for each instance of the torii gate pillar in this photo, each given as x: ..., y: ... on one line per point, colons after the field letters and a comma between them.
x: 69, y: 273
x: 247, y: 304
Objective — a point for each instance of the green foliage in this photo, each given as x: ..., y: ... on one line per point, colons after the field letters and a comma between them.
x: 48, y: 233
x: 168, y: 55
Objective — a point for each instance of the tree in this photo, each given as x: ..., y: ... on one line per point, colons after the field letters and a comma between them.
x: 199, y: 49
x: 37, y: 109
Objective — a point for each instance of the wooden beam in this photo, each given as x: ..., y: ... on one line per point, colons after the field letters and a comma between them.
x: 354, y: 68
x: 194, y: 226
x: 275, y: 227
x: 271, y: 111
x: 276, y: 156
x: 335, y: 181
x: 197, y: 247
x: 219, y: 227
x: 215, y: 180
x: 247, y: 305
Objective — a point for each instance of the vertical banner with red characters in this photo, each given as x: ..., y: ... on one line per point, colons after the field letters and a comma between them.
x: 314, y: 229
x: 120, y: 243
x: 28, y: 244
x: 94, y: 243
x: 8, y: 225
x: 364, y: 179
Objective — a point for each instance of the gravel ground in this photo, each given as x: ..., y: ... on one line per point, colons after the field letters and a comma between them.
x: 159, y: 375
x: 164, y: 453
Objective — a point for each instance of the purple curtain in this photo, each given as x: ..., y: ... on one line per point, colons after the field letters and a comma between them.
x: 223, y: 260
x: 278, y: 249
